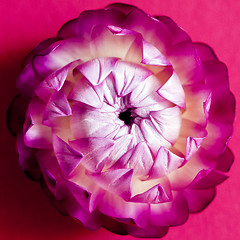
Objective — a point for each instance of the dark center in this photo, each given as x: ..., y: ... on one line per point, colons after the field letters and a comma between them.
x: 126, y: 117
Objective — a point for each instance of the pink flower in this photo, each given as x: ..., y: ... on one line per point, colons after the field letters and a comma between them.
x: 126, y: 121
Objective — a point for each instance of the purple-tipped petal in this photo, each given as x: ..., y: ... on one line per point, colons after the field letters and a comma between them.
x: 115, y: 181
x: 57, y: 106
x: 198, y: 199
x: 95, y: 151
x: 173, y: 91
x: 67, y: 157
x: 101, y: 66
x: 165, y: 162
x: 225, y: 161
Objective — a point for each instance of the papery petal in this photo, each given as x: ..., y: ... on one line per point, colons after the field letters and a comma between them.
x: 208, y: 179
x: 87, y: 123
x: 60, y: 54
x: 102, y: 68
x: 104, y: 42
x: 95, y: 151
x: 38, y: 136
x: 124, y: 8
x: 165, y: 162
x: 88, y: 200
x: 67, y: 157
x: 28, y: 81
x: 225, y: 161
x: 128, y: 76
x: 117, y: 181
x: 152, y: 136
x: 139, y: 212
x: 172, y: 213
x: 57, y: 106
x: 152, y: 30
x: 168, y: 122
x: 186, y: 63
x: 84, y: 92
x: 205, y: 52
x: 198, y: 199
x: 27, y: 159
x: 173, y: 91
x: 139, y: 159
x: 151, y: 55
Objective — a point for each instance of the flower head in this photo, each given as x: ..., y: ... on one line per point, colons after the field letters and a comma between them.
x: 126, y: 121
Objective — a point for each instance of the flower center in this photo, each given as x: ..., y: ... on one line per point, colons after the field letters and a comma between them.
x: 127, y: 117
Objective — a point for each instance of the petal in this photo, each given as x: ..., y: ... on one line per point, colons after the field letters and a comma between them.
x: 139, y: 159
x: 38, y: 136
x: 95, y: 151
x: 27, y: 159
x: 97, y: 70
x: 84, y: 92
x: 165, y: 162
x: 124, y: 8
x: 152, y: 56
x: 60, y: 54
x: 89, y: 123
x: 172, y: 90
x: 114, y: 206
x: 225, y: 161
x: 128, y: 76
x: 172, y: 213
x: 205, y: 52
x: 168, y: 122
x: 67, y: 157
x: 57, y: 106
x: 198, y: 199
x: 116, y: 181
x: 16, y: 114
x: 186, y: 63
x: 152, y: 136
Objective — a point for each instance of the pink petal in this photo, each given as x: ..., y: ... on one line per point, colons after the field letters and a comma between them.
x: 95, y: 151
x: 198, y: 199
x: 38, y: 136
x: 152, y: 56
x: 172, y: 213
x: 115, y: 181
x: 114, y: 206
x: 89, y: 123
x: 152, y: 136
x: 198, y: 99
x: 186, y: 63
x: 177, y: 33
x: 67, y: 157
x: 84, y: 92
x: 208, y: 179
x: 28, y: 81
x: 205, y: 52
x: 97, y: 70
x: 53, y: 82
x: 152, y: 30
x: 60, y: 54
x: 128, y: 76
x: 172, y: 90
x: 154, y: 195
x: 139, y: 159
x: 27, y: 159
x: 16, y: 114
x: 165, y: 162
x: 225, y: 161
x: 168, y: 122
x: 69, y: 29
x: 124, y: 8
x: 86, y: 199
x: 57, y: 106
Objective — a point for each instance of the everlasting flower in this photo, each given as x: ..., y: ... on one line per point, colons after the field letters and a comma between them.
x: 125, y: 121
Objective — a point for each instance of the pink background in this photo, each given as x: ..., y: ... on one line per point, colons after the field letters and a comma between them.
x: 25, y: 212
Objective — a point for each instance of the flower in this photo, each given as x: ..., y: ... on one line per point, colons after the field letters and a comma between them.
x: 125, y: 121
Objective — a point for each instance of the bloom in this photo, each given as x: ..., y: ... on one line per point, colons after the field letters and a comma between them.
x: 126, y: 121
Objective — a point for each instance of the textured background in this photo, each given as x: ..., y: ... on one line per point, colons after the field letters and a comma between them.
x: 25, y: 212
